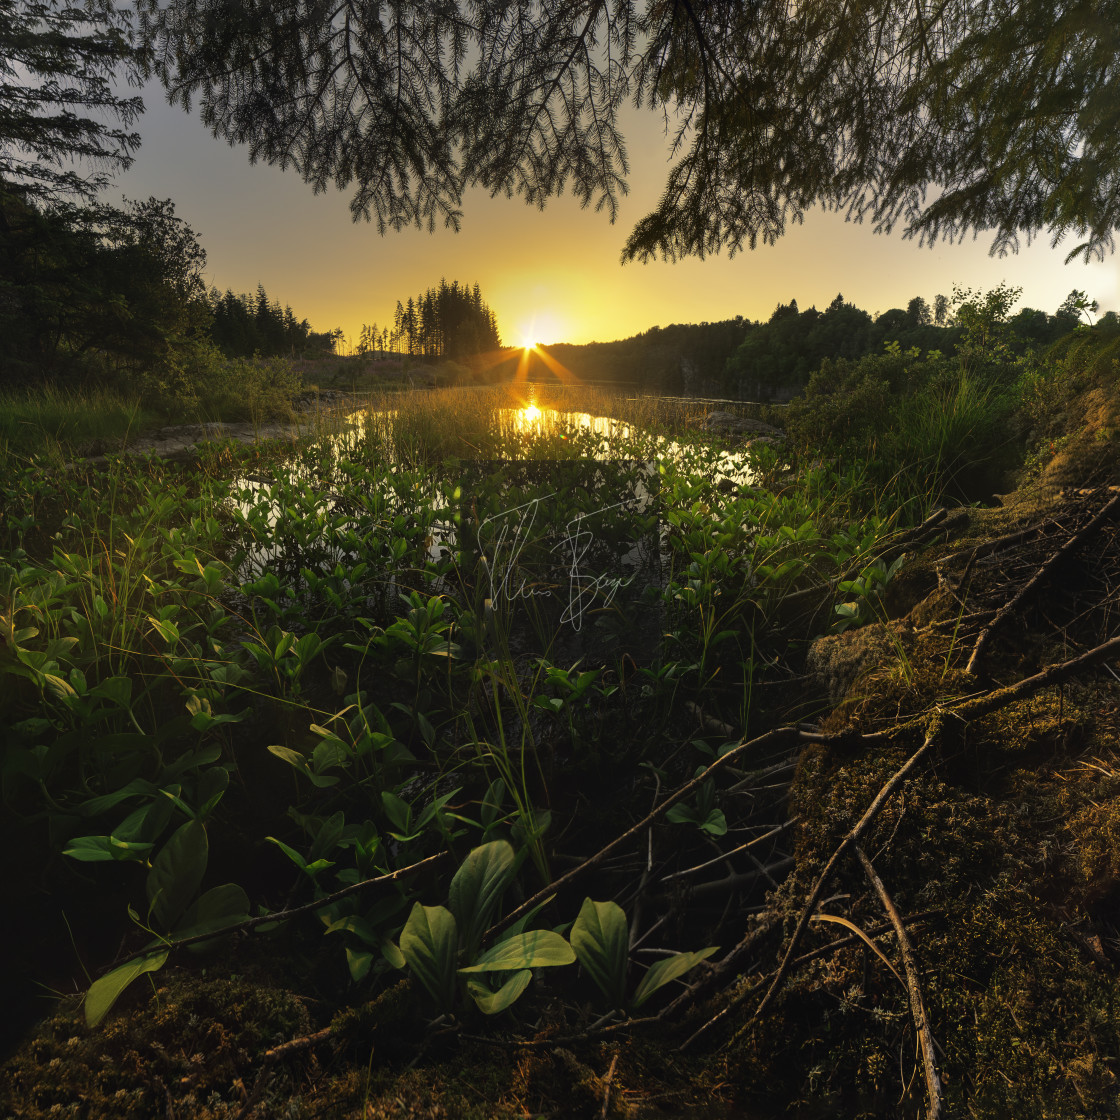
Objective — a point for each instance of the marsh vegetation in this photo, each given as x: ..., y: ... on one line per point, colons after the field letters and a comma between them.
x: 471, y: 725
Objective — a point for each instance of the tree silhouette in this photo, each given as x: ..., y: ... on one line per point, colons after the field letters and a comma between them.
x: 58, y: 61
x: 1006, y: 110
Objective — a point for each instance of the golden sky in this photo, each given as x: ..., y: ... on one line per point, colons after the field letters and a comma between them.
x: 554, y: 274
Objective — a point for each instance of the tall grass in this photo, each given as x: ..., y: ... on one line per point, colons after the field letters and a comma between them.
x: 495, y: 423
x: 55, y: 424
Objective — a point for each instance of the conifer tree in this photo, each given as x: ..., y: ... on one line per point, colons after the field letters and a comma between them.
x: 942, y: 117
x: 58, y: 65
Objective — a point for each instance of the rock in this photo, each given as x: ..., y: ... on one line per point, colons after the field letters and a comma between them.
x: 727, y: 423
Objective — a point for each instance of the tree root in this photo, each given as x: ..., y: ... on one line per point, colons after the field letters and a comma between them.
x: 917, y: 1004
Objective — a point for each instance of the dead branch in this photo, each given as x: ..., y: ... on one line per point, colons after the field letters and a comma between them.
x: 739, y: 879
x: 917, y: 1004
x: 709, y: 723
x: 779, y: 735
x: 607, y: 1087
x: 271, y: 1057
x: 280, y: 915
x: 775, y: 831
x: 1080, y: 537
x: 1054, y: 674
x: 996, y: 545
x: 810, y: 905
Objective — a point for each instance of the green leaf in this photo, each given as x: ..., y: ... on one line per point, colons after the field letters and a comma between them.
x: 290, y: 852
x: 715, y: 824
x: 358, y: 961
x: 297, y: 760
x: 93, y: 849
x: 490, y: 1003
x: 355, y: 924
x: 212, y: 785
x: 136, y: 787
x: 217, y: 909
x: 681, y: 813
x: 177, y: 872
x: 103, y: 993
x: 601, y: 940
x: 477, y: 888
x: 539, y: 948
x: 167, y: 630
x: 429, y: 944
x: 392, y: 954
x: 667, y: 970
x: 399, y: 812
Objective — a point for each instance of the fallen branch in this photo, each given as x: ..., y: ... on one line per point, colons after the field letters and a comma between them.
x: 279, y: 915
x: 1075, y: 541
x: 988, y: 547
x: 779, y: 735
x: 271, y: 1057
x: 736, y: 879
x: 775, y: 831
x: 810, y: 905
x: 1054, y: 674
x: 607, y: 1087
x: 917, y: 1005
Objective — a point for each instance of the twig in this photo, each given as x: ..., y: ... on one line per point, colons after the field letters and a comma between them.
x: 607, y: 1087
x: 988, y: 547
x: 734, y: 851
x: 280, y: 915
x: 917, y: 1005
x: 781, y: 734
x: 1053, y: 674
x: 709, y: 723
x: 1075, y: 541
x: 850, y: 838
x: 271, y: 1057
x: 741, y: 878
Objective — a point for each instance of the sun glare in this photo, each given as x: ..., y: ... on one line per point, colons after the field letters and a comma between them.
x: 531, y: 413
x: 528, y: 344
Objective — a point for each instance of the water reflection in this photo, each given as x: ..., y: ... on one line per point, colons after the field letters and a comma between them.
x: 533, y: 420
x: 322, y: 501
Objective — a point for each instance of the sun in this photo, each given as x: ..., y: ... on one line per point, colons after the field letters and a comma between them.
x: 528, y: 343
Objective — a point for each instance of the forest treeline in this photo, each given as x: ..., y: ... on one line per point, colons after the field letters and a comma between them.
x: 244, y: 325
x: 451, y: 322
x: 776, y: 358
x: 116, y: 295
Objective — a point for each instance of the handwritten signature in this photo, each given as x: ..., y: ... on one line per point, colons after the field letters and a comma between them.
x: 513, y: 533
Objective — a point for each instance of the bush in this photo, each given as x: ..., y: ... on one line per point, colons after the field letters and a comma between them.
x: 923, y: 428
x: 197, y: 381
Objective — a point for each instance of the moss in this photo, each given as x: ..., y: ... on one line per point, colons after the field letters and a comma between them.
x: 1095, y: 859
x: 192, y: 1049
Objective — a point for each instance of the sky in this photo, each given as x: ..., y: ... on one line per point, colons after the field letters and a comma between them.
x: 553, y: 275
